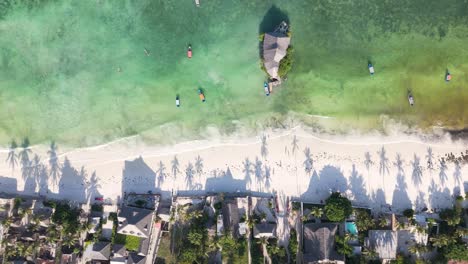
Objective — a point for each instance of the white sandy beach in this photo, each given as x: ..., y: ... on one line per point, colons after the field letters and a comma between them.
x: 381, y: 172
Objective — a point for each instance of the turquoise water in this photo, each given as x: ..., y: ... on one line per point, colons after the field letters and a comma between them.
x: 76, y: 71
x: 351, y: 228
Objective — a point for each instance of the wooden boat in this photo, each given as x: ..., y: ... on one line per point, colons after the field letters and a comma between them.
x: 201, y: 95
x: 189, y: 51
x: 448, y: 76
x: 371, y: 68
x: 267, y: 89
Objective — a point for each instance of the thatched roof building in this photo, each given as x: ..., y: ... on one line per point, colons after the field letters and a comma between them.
x: 275, y: 45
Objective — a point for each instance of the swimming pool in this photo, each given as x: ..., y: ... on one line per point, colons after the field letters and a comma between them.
x: 351, y: 228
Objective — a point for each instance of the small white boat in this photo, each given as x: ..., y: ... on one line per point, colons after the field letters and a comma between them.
x: 371, y: 68
x: 197, y: 3
x: 177, y: 101
x: 410, y: 99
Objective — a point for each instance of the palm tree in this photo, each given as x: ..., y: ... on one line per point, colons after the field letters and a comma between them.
x: 264, y: 241
x: 197, y: 214
x: 250, y: 224
x: 383, y: 221
x: 342, y: 245
x: 316, y: 212
x: 21, y: 248
x: 369, y: 253
x: 418, y: 249
x: 12, y: 157
x: 442, y: 240
x: 36, y: 219
x: 461, y: 231
x: 420, y: 230
x: 7, y: 222
x: 69, y: 241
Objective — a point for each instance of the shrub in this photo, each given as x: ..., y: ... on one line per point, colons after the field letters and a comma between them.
x: 286, y: 63
x: 364, y: 221
x: 17, y: 202
x: 293, y: 245
x: 97, y: 207
x: 337, y: 207
x: 408, y: 213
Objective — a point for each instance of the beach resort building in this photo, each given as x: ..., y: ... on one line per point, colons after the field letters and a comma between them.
x: 319, y: 243
x: 97, y: 252
x: 384, y: 242
x: 275, y: 46
x: 135, y: 221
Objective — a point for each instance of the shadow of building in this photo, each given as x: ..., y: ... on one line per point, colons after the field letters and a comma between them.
x: 72, y: 184
x: 225, y: 183
x: 138, y: 177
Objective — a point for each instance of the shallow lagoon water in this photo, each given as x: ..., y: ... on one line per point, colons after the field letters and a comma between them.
x: 60, y: 61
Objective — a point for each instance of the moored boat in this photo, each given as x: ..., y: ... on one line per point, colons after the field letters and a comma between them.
x: 189, y: 51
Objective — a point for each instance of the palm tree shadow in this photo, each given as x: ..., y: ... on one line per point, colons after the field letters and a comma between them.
x: 457, y: 174
x: 264, y: 148
x: 417, y: 171
x: 308, y: 162
x: 53, y: 162
x: 24, y: 158
x: 443, y: 171
x: 189, y: 173
x: 383, y: 166
x: 399, y: 164
x: 400, y: 194
x: 161, y: 173
x: 368, y: 160
x: 267, y: 177
x: 258, y: 171
x: 199, y: 165
x: 175, y: 167
x: 33, y: 176
x: 12, y: 158
x: 247, y: 172
x: 294, y: 144
x: 430, y: 158
x: 357, y: 187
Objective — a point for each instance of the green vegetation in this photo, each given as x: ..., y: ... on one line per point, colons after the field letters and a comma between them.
x: 364, y: 221
x: 337, y: 207
x: 293, y: 245
x: 286, y: 63
x: 342, y: 245
x: 132, y: 243
x: 164, y: 252
x: 408, y: 213
x: 97, y: 207
x: 256, y: 252
x: 451, y: 216
x: 457, y: 252
x: 67, y: 217
x: 17, y: 203
x: 276, y: 253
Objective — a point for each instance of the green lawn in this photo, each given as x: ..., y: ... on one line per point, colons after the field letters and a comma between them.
x: 132, y: 243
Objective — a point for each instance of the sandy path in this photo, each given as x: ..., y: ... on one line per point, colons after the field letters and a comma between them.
x: 372, y: 171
